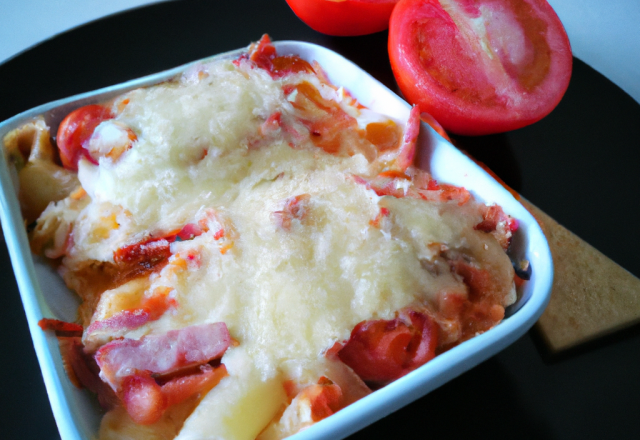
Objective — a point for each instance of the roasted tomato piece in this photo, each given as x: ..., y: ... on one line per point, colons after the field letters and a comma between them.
x: 147, y: 253
x: 61, y: 328
x: 146, y: 400
x: 143, y: 398
x: 75, y: 130
x: 499, y: 224
x: 328, y: 124
x: 325, y: 398
x: 345, y: 17
x: 480, y: 67
x: 181, y: 388
x: 383, y: 350
x: 288, y: 64
x: 263, y: 53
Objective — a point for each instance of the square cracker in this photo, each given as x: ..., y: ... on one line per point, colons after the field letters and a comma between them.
x: 591, y: 295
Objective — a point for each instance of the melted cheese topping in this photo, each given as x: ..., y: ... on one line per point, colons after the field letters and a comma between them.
x: 287, y: 288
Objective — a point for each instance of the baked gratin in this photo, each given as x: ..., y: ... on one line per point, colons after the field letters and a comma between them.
x: 253, y: 248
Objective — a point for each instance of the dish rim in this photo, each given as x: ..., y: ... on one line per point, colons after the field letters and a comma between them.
x: 66, y: 402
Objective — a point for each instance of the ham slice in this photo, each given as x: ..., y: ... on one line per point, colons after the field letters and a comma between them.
x: 407, y: 150
x: 162, y: 354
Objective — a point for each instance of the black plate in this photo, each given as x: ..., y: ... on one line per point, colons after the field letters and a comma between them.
x: 580, y: 165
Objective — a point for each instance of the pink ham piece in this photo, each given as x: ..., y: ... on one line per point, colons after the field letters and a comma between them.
x: 294, y: 208
x: 161, y: 354
x: 151, y: 308
x: 126, y: 319
x: 190, y: 231
x: 407, y: 150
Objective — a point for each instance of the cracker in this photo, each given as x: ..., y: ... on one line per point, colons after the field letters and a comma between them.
x: 591, y: 295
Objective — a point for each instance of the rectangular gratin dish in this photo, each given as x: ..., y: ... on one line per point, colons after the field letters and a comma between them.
x: 44, y: 294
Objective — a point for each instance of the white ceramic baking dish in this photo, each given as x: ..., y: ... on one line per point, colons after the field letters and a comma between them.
x: 45, y: 295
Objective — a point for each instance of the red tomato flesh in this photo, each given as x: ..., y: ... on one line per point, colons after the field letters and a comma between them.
x: 344, y: 18
x: 143, y: 398
x: 147, y: 253
x: 75, y: 130
x: 61, y: 328
x: 382, y: 351
x: 263, y: 53
x: 146, y: 401
x: 325, y: 398
x: 480, y: 67
x: 181, y: 388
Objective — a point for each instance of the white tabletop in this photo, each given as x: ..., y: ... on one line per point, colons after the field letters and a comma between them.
x: 603, y: 33
x: 25, y: 23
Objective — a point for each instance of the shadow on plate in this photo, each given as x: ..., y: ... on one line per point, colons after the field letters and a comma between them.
x: 550, y: 357
x: 484, y: 402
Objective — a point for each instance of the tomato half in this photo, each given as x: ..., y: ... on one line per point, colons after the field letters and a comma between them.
x: 345, y: 18
x: 75, y: 130
x: 480, y: 67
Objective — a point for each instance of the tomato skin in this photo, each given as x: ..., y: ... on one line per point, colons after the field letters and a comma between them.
x: 75, y: 130
x: 143, y: 398
x: 381, y: 351
x: 61, y: 328
x: 180, y: 388
x: 345, y: 18
x: 147, y: 253
x: 512, y: 76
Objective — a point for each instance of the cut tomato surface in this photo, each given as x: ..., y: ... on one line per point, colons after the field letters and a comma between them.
x: 344, y: 17
x: 143, y: 398
x: 75, y: 130
x: 381, y: 351
x: 147, y: 253
x: 263, y: 53
x: 480, y: 67
x: 61, y: 328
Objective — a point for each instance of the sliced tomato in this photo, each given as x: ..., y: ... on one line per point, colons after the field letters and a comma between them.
x: 324, y: 398
x: 480, y: 67
x: 181, y: 388
x: 263, y: 53
x: 147, y: 253
x: 143, y: 398
x: 344, y: 17
x: 61, y: 328
x: 75, y: 130
x: 146, y: 400
x: 383, y: 350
